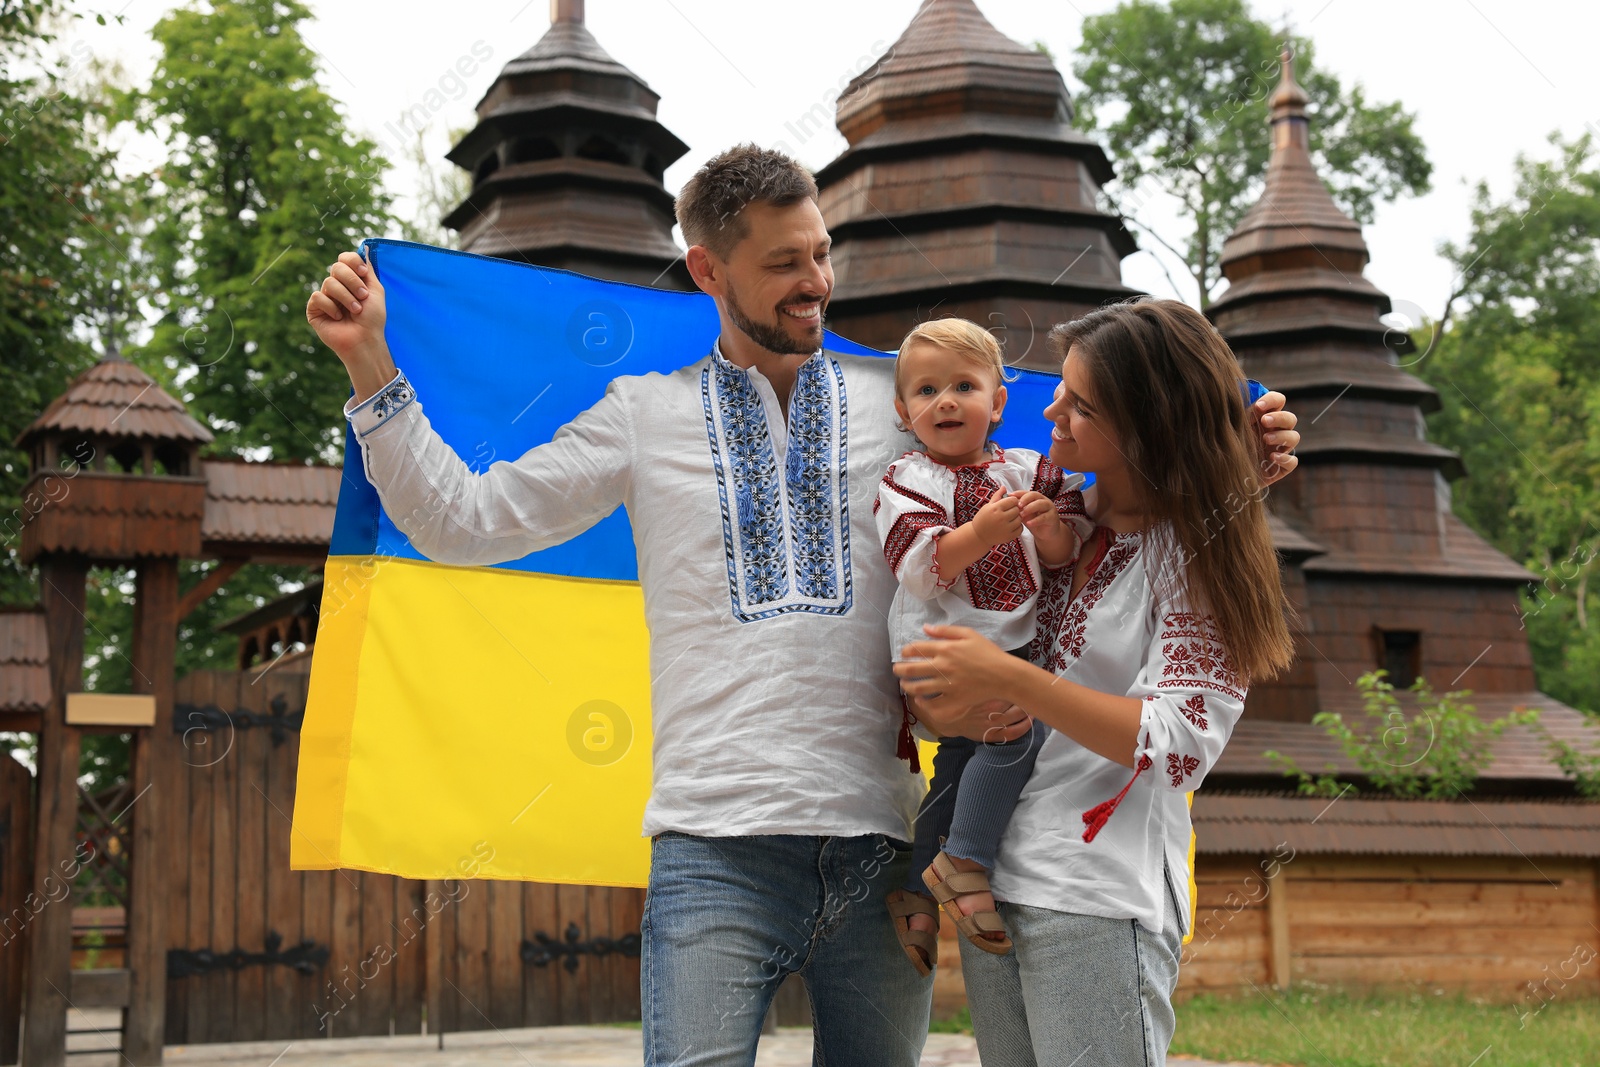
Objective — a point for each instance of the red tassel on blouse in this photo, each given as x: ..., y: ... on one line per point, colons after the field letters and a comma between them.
x: 906, y: 747
x: 1096, y: 817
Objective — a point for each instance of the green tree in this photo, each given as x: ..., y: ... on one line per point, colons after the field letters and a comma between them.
x: 264, y: 184
x: 47, y: 243
x: 1518, y: 373
x: 1180, y: 89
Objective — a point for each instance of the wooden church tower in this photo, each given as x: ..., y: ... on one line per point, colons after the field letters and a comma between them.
x: 966, y: 191
x: 567, y: 160
x: 1386, y: 574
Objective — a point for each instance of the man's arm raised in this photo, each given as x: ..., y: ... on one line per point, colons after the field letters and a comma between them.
x: 348, y: 313
x: 452, y: 514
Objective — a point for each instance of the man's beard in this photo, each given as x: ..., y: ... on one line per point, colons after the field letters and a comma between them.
x: 773, y: 338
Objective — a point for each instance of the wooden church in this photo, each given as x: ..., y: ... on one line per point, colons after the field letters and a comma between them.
x: 964, y: 190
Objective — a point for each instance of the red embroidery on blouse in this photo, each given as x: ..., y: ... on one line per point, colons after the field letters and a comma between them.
x: 1180, y: 767
x: 1001, y: 579
x: 904, y: 533
x: 911, y: 494
x: 1194, y: 709
x: 1195, y: 656
x: 1047, y: 478
x: 1069, y: 622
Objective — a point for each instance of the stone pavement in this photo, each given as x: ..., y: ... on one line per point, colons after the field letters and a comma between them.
x: 550, y: 1046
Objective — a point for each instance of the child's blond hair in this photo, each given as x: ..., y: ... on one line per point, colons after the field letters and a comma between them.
x: 956, y: 335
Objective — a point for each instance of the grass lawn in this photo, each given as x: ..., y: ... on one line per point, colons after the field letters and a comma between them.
x: 1322, y: 1028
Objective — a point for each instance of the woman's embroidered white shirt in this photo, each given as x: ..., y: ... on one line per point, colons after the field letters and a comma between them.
x: 1129, y: 630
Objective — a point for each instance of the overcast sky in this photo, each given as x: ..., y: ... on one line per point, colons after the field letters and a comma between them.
x: 1487, y: 79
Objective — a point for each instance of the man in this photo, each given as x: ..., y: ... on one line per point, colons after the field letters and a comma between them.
x: 779, y: 813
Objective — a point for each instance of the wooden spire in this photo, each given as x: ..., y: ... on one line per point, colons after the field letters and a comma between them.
x: 567, y: 162
x: 965, y: 188
x: 1394, y: 578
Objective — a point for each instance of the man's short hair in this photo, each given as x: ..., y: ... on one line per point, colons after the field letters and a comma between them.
x: 712, y: 203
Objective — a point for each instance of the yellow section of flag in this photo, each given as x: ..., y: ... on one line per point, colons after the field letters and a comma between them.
x: 476, y: 722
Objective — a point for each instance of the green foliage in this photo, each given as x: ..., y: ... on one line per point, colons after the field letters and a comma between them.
x: 1436, y: 752
x: 263, y: 187
x: 1518, y: 373
x: 1582, y: 766
x: 48, y: 245
x: 1181, y: 88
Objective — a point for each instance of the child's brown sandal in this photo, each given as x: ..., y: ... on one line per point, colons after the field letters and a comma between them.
x: 922, y: 946
x: 946, y: 884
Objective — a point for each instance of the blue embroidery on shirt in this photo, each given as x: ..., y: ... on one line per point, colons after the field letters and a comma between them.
x: 389, y: 400
x: 793, y: 532
x: 811, y: 481
x: 755, y: 486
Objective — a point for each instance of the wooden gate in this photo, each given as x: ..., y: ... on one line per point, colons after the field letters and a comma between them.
x: 16, y: 881
x: 262, y: 952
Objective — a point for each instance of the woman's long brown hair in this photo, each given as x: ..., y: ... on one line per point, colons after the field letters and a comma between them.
x: 1168, y: 388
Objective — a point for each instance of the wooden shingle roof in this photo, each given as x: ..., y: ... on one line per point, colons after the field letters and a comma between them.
x: 1295, y: 210
x: 949, y: 47
x: 262, y: 505
x: 114, y: 398
x: 24, y: 661
x: 1258, y: 824
x: 1521, y: 756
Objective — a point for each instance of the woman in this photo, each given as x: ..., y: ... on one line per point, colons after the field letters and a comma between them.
x: 1145, y: 646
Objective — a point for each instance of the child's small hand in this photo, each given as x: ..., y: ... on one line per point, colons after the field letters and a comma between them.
x: 1000, y: 520
x: 1057, y: 541
x: 1038, y: 511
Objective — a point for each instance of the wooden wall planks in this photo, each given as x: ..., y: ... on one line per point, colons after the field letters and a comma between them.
x: 230, y: 813
x: 1488, y: 926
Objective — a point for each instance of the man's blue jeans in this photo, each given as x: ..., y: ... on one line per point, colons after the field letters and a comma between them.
x: 726, y: 919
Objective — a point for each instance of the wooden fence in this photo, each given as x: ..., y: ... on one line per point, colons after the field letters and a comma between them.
x: 1491, y: 926
x: 262, y: 952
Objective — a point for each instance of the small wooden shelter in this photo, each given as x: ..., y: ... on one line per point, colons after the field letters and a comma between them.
x: 117, y: 480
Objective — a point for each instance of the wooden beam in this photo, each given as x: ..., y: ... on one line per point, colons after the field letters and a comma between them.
x: 55, y: 865
x: 16, y: 871
x: 154, y: 646
x: 202, y: 591
x: 1278, y: 924
x: 433, y: 966
x: 26, y: 722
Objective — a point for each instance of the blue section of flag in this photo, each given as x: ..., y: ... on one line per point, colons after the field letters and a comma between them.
x: 503, y: 354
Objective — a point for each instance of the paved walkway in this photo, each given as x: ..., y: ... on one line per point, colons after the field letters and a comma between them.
x: 550, y: 1046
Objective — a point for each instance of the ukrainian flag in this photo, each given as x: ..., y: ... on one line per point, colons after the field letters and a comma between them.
x: 494, y: 722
